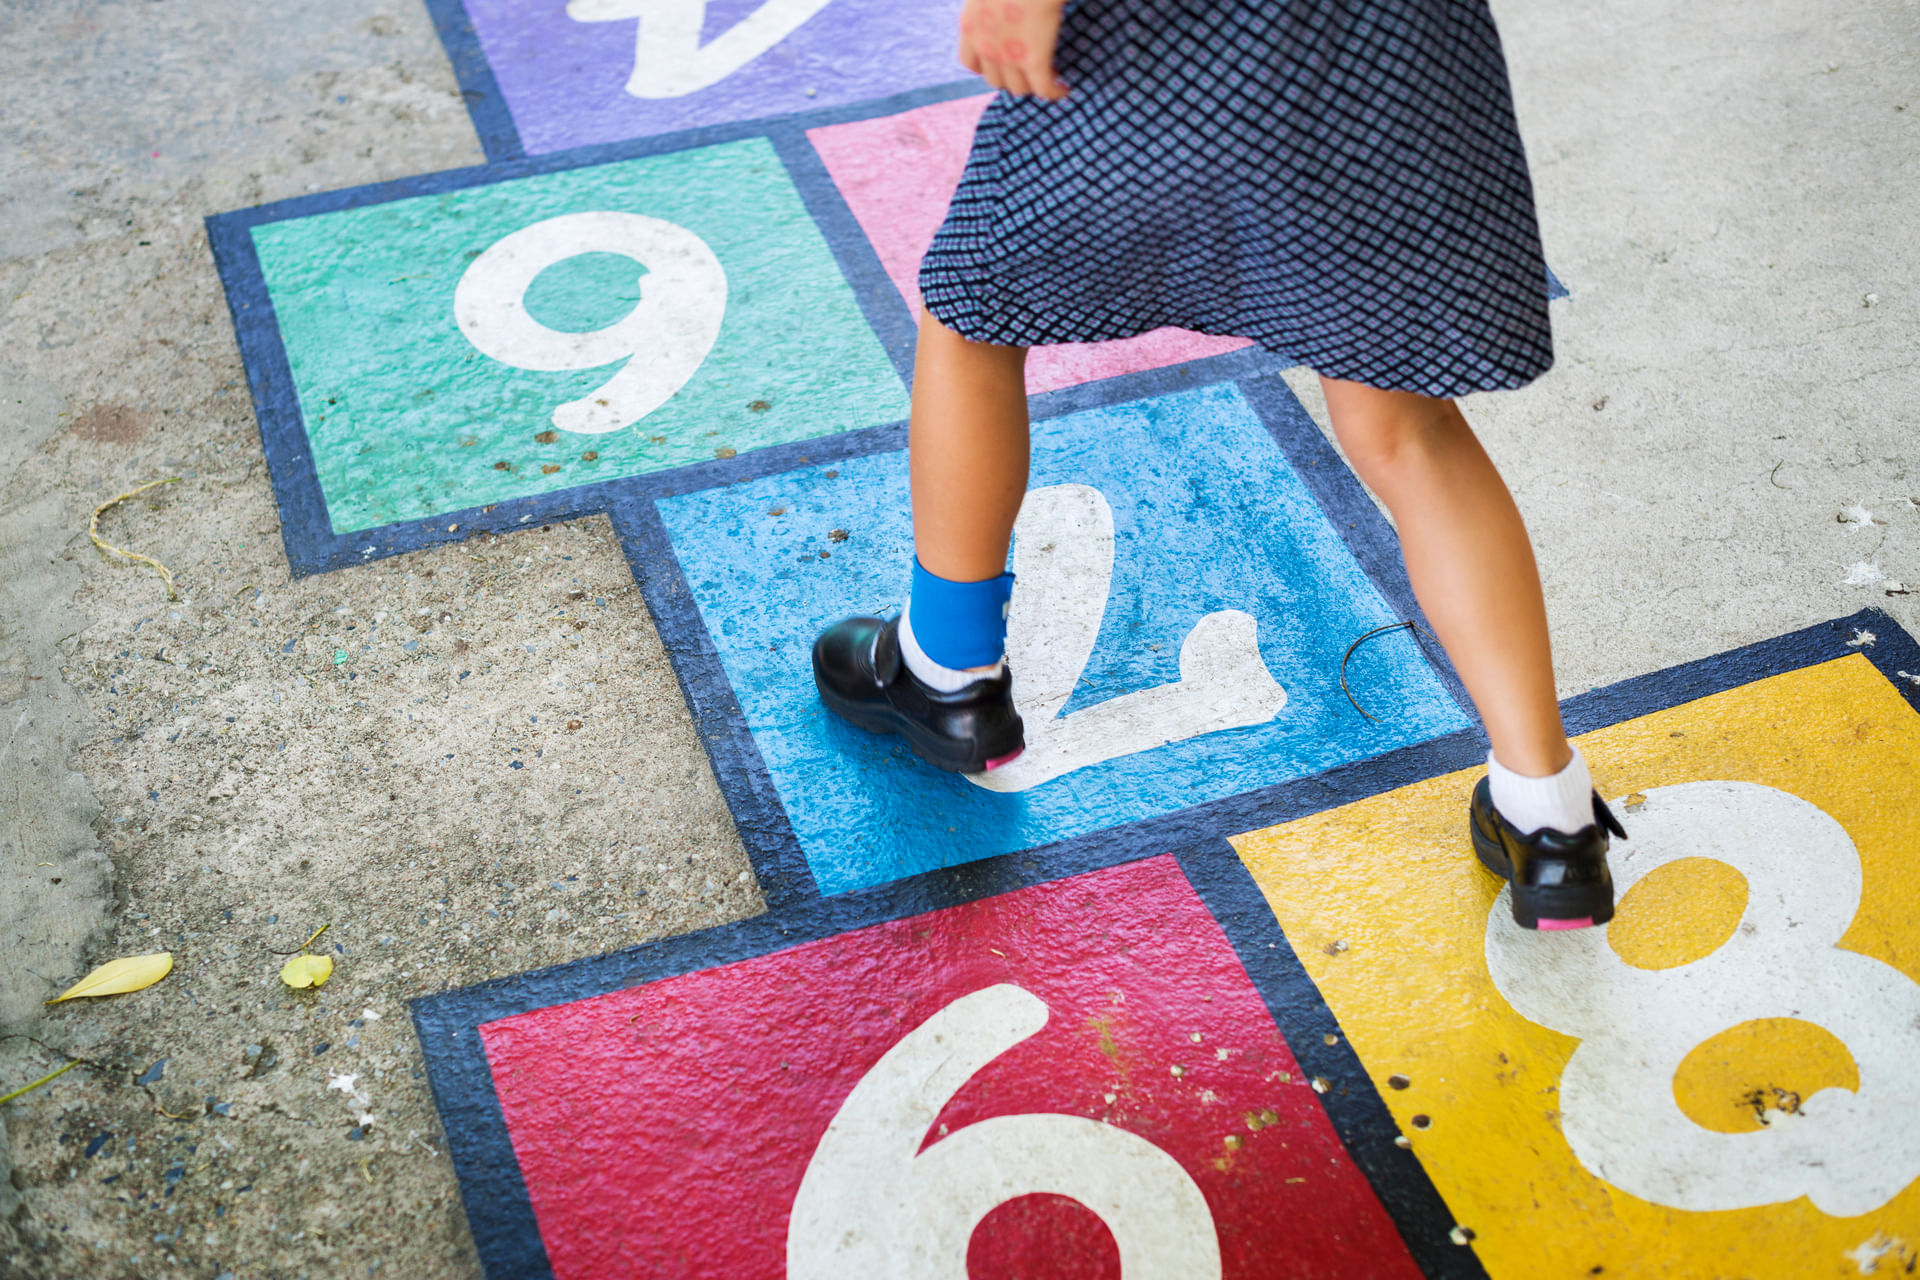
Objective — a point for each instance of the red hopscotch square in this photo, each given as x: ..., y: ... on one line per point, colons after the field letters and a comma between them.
x: 897, y: 174
x: 666, y: 1129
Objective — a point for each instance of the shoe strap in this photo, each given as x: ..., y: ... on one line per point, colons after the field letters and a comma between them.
x: 886, y: 652
x: 1603, y: 816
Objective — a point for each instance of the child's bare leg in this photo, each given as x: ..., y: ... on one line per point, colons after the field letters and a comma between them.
x: 1468, y: 557
x: 934, y: 674
x: 969, y: 452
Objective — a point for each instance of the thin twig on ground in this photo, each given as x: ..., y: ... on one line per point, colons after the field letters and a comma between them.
x: 1409, y: 625
x: 29, y: 1088
x: 93, y: 532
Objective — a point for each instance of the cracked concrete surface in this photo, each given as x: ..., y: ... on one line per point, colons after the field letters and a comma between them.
x: 1726, y: 188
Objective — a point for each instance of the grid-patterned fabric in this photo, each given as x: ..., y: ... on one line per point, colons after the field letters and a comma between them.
x: 1340, y: 180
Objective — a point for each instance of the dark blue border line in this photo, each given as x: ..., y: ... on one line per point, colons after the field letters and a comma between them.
x: 479, y: 89
x: 887, y: 313
x: 749, y: 790
x: 495, y: 1195
x: 1352, y: 1103
x: 738, y: 767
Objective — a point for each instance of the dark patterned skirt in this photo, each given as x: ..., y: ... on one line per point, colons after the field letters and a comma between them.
x: 1340, y: 180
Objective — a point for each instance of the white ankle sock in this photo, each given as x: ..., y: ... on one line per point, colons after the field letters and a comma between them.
x: 1563, y: 801
x: 932, y: 674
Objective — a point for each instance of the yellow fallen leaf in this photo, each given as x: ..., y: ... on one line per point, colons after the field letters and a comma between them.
x: 130, y: 973
x: 307, y: 971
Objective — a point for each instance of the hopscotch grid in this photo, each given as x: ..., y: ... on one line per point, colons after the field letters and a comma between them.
x: 505, y: 1230
x: 494, y: 1193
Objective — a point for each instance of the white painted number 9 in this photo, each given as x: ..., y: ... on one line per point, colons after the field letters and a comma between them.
x: 874, y: 1206
x: 663, y: 340
x: 1848, y: 1151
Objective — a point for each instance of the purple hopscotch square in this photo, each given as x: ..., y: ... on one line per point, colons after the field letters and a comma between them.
x: 565, y: 66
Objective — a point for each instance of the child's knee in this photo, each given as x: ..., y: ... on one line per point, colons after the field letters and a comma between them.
x: 1403, y: 439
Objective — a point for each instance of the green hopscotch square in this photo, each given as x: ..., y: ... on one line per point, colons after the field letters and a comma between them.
x: 407, y: 419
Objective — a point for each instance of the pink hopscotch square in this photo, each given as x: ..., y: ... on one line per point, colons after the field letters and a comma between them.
x: 897, y: 174
x: 1027, y: 1081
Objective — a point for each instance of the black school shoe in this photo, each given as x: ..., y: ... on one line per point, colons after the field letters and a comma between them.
x: 862, y: 678
x: 1559, y: 881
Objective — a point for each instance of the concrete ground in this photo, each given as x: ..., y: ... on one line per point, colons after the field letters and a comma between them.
x: 1727, y: 450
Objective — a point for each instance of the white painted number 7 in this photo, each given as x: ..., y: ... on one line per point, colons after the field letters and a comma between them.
x: 874, y: 1206
x: 1063, y: 559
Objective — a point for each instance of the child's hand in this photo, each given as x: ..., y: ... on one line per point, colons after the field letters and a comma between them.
x: 1010, y: 42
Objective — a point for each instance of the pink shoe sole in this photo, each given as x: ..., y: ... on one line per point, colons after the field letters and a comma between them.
x: 1584, y: 922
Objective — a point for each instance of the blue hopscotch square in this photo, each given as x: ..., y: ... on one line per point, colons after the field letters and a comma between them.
x: 1208, y: 515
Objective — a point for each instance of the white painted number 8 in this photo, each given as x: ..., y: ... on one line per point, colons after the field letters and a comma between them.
x: 1848, y: 1152
x: 663, y: 340
x: 874, y: 1206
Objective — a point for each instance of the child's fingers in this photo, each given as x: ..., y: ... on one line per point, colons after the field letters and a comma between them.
x: 1016, y: 80
x: 969, y: 54
x: 1046, y: 84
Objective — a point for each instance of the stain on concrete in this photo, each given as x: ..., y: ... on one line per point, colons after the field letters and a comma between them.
x: 110, y: 424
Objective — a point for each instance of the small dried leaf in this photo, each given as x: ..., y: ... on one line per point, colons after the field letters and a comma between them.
x: 116, y: 977
x: 302, y: 972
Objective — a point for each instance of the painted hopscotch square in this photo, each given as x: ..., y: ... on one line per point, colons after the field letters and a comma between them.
x: 1095, y: 1040
x: 1718, y: 1083
x: 548, y: 77
x: 897, y: 174
x: 406, y: 418
x: 1226, y: 574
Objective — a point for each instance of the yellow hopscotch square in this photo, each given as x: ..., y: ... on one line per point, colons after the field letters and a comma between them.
x: 1388, y: 911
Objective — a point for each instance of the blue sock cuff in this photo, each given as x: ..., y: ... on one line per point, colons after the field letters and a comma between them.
x: 960, y: 624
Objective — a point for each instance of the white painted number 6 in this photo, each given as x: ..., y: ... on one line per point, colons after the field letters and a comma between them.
x: 874, y: 1206
x: 663, y: 340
